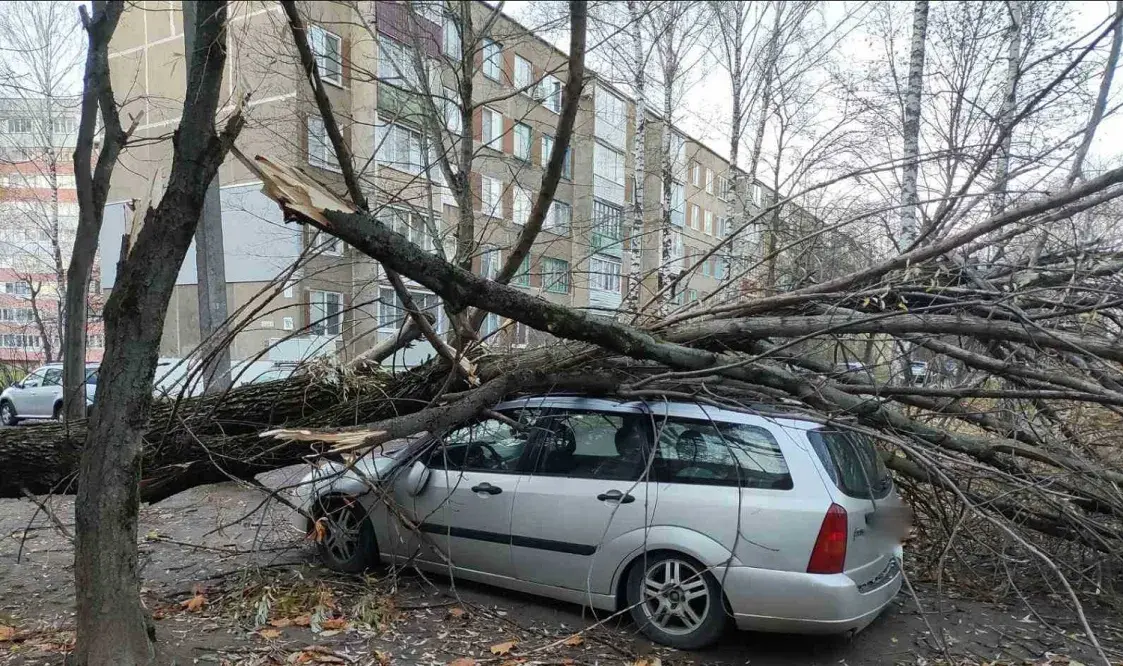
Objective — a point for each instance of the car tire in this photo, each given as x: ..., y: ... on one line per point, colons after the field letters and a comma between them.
x: 675, y: 601
x: 8, y: 414
x: 57, y: 413
x: 346, y: 540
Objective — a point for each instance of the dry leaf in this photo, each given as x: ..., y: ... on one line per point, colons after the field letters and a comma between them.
x: 302, y: 621
x: 281, y: 622
x: 456, y: 612
x: 462, y: 661
x: 7, y: 633
x: 502, y: 648
x: 574, y: 640
x: 512, y: 662
x: 336, y: 623
x: 270, y: 634
x: 195, y: 603
x: 319, y: 531
x: 382, y: 657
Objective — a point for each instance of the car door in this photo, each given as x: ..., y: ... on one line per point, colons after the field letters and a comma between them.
x: 50, y: 392
x: 465, y: 509
x: 29, y: 397
x: 582, y: 495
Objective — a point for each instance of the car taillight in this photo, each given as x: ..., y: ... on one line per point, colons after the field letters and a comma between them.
x: 829, y: 554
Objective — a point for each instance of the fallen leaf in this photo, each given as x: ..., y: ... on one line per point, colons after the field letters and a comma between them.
x: 281, y: 622
x: 382, y: 657
x: 456, y: 612
x: 574, y: 640
x: 502, y: 648
x: 195, y: 603
x: 7, y: 633
x: 270, y: 634
x: 302, y: 621
x: 512, y: 662
x: 336, y: 623
x: 462, y: 661
x: 319, y: 531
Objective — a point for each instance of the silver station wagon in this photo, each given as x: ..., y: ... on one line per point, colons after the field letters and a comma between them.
x: 685, y: 515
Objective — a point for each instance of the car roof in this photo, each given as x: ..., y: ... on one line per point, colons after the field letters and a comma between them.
x: 679, y: 408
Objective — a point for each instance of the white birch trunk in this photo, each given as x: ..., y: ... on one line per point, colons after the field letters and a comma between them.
x: 639, y: 147
x: 909, y: 198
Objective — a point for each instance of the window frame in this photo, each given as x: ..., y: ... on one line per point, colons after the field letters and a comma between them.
x: 322, y: 56
x: 549, y: 272
x: 555, y: 414
x: 525, y: 85
x: 658, y: 469
x: 491, y: 125
x: 526, y: 145
x: 616, y: 277
x: 325, y: 321
x: 328, y: 160
x: 492, y: 60
x: 488, y: 207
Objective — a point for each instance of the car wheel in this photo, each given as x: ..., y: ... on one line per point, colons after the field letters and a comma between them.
x: 344, y: 536
x: 57, y: 413
x: 8, y: 414
x: 675, y: 601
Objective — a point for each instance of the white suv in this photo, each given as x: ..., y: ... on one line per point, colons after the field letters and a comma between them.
x: 39, y: 395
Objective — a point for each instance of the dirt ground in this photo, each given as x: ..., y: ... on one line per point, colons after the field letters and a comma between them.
x: 230, y: 582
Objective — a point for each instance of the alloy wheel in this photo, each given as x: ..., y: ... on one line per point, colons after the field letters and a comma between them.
x: 342, y: 534
x: 676, y: 598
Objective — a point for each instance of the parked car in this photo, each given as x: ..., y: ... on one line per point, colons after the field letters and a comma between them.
x: 39, y: 394
x: 919, y: 372
x: 685, y: 514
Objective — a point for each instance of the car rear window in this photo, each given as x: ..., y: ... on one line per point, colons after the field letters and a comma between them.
x: 719, y: 454
x: 852, y: 461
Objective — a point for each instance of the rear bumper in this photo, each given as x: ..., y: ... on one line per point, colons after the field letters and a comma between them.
x: 788, y: 601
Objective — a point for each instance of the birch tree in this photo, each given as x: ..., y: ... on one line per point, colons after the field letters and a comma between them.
x: 911, y: 125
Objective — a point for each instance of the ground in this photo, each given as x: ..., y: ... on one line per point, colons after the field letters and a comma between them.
x: 228, y: 583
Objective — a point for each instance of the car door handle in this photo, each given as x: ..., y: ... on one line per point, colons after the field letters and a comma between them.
x: 486, y: 487
x: 616, y: 496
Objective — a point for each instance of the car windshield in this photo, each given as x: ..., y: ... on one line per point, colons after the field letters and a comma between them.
x: 852, y: 461
x: 91, y: 377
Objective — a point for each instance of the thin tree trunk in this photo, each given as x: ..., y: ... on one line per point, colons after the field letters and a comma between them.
x: 1009, y: 102
x: 113, y: 626
x: 92, y: 184
x: 667, y: 272
x: 909, y: 198
x: 639, y: 152
x: 748, y: 245
x: 1101, y: 100
x: 733, y: 260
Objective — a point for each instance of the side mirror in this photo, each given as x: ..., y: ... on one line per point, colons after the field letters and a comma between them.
x: 417, y: 478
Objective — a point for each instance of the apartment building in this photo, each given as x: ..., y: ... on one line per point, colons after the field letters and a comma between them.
x: 38, y: 220
x: 336, y: 299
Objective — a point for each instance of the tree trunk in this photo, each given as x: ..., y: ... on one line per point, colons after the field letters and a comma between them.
x: 734, y: 261
x: 667, y: 272
x: 911, y: 155
x: 1009, y: 102
x: 113, y: 627
x: 639, y: 152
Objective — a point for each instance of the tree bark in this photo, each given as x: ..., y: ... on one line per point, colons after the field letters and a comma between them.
x: 113, y: 627
x: 914, y: 89
x: 639, y: 153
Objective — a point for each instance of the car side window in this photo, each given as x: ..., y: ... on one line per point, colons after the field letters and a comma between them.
x: 35, y: 379
x: 718, y: 454
x: 594, y: 445
x: 487, y: 445
x: 53, y: 377
x: 91, y: 378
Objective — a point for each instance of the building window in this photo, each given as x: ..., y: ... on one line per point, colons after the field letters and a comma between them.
x: 558, y: 218
x: 604, y: 274
x: 608, y: 222
x: 287, y: 323
x: 611, y: 119
x: 678, y: 151
x: 678, y: 204
x: 548, y: 149
x: 691, y: 295
x: 396, y: 65
x: 19, y: 341
x: 608, y: 174
x: 95, y: 341
x: 677, y: 251
x: 758, y: 193
x: 720, y: 230
x: 327, y: 244
x: 429, y: 10
x: 17, y: 288
x: 398, y: 147
x: 19, y: 315
x: 491, y: 196
x: 522, y: 277
x: 320, y: 151
x: 328, y: 49
x: 521, y: 204
x: 695, y: 217
x: 709, y: 181
x: 325, y: 310
x: 450, y: 38
x: 491, y: 260
x: 708, y: 227
x: 555, y: 275
x: 64, y: 125
x: 493, y: 59
x: 521, y: 335
x: 550, y: 92
x: 522, y: 141
x: 391, y: 312
x: 18, y: 125
x: 409, y: 224
x: 524, y: 76
x: 493, y: 129
x: 723, y: 188
x: 696, y: 174
x: 451, y: 108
